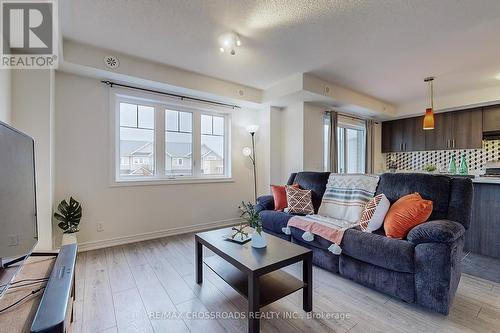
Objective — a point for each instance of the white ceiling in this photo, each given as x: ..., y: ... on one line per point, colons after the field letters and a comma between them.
x: 383, y: 48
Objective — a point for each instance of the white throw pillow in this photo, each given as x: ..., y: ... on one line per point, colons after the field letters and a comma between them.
x: 372, y: 217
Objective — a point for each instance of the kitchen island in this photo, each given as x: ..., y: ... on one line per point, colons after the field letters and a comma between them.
x: 483, y: 236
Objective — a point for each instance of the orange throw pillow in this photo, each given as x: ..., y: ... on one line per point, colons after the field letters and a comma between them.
x: 407, y: 212
x: 279, y: 195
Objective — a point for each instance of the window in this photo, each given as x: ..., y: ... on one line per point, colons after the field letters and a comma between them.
x: 212, y: 145
x: 137, y: 131
x: 351, y: 142
x: 178, y: 143
x: 159, y: 140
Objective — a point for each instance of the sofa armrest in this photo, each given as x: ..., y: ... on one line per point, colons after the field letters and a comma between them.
x: 265, y: 202
x: 438, y: 231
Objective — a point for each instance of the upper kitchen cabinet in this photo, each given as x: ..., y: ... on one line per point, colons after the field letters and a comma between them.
x: 453, y: 130
x: 403, y: 135
x: 491, y: 121
x: 456, y: 130
x: 467, y: 129
x: 413, y: 134
x: 392, y: 136
x: 441, y: 136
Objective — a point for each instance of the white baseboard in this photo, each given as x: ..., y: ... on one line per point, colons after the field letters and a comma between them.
x: 86, y: 246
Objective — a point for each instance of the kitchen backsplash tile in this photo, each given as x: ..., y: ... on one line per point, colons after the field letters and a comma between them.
x: 415, y: 161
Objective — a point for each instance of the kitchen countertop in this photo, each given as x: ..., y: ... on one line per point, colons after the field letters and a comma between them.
x: 486, y: 180
x: 475, y: 178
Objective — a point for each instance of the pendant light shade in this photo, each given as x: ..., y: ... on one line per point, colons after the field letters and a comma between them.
x: 429, y: 112
x: 429, y: 119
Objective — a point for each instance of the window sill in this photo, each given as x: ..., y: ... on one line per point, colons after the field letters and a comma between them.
x: 155, y: 182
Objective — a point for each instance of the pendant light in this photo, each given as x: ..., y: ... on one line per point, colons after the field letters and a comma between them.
x: 429, y: 112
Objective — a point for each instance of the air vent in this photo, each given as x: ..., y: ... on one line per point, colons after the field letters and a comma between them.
x: 111, y: 62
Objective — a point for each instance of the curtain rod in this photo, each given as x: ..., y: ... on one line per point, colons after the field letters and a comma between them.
x: 182, y: 97
x: 352, y: 117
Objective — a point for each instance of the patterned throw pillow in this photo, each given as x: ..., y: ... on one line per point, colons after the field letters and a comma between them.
x: 374, y: 213
x: 299, y: 201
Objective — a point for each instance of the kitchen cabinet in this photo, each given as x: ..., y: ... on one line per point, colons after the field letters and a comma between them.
x: 467, y: 129
x: 403, y: 135
x: 484, y: 231
x: 491, y: 119
x: 453, y: 130
x: 441, y: 136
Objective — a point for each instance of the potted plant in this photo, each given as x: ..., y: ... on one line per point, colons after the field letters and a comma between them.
x: 250, y: 215
x: 69, y: 216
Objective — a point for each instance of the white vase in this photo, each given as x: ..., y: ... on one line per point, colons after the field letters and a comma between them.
x: 69, y: 239
x: 258, y: 240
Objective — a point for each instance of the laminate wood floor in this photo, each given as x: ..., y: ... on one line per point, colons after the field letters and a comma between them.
x: 150, y: 287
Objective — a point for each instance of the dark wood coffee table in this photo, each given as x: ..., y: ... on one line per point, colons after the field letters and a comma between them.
x: 255, y: 273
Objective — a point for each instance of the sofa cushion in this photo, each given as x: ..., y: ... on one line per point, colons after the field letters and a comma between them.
x: 314, y: 181
x: 397, y: 284
x: 321, y: 258
x: 318, y: 241
x: 274, y: 220
x: 299, y: 201
x: 431, y: 187
x: 379, y: 250
x: 407, y: 212
x: 279, y: 196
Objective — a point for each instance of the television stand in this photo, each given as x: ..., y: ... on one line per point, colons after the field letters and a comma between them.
x: 54, y: 310
x: 33, y: 254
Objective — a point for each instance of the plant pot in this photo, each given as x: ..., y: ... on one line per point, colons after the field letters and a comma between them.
x: 258, y: 240
x: 69, y: 239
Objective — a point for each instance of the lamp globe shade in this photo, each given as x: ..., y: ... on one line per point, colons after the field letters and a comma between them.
x: 247, y: 151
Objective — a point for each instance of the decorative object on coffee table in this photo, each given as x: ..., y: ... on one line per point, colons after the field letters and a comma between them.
x: 250, y: 215
x: 256, y: 275
x: 250, y: 153
x: 69, y: 216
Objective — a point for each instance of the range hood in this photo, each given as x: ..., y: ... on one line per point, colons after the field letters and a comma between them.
x: 491, y: 135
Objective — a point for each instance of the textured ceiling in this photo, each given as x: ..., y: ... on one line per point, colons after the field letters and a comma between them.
x: 381, y: 47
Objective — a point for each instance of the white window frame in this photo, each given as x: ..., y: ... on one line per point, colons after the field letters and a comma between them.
x: 162, y: 103
x: 347, y: 122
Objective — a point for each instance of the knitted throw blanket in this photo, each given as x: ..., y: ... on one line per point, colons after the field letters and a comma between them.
x: 341, y: 207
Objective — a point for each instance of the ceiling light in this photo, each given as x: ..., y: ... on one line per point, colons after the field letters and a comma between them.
x: 228, y: 42
x: 498, y: 76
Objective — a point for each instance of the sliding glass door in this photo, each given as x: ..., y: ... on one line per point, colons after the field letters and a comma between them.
x: 351, y: 143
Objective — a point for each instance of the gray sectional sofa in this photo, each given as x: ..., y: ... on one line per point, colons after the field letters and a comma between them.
x: 424, y: 268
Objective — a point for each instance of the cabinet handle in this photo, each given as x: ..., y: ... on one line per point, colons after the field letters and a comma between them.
x: 401, y: 146
x: 453, y: 143
x: 405, y: 146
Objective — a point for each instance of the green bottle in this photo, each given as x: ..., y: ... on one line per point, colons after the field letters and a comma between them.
x: 464, y: 169
x: 452, y: 167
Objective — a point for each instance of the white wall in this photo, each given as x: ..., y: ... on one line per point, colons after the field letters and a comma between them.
x: 313, y: 137
x: 275, y: 146
x: 33, y: 113
x: 292, y: 140
x: 82, y: 164
x: 5, y: 95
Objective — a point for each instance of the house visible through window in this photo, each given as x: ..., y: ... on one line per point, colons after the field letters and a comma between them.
x: 139, y: 155
x: 212, y: 145
x: 178, y: 143
x: 137, y: 131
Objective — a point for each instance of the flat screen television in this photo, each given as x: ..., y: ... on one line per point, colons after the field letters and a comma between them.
x: 18, y: 220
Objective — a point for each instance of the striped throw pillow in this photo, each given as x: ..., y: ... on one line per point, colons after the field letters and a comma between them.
x: 373, y: 215
x: 299, y: 201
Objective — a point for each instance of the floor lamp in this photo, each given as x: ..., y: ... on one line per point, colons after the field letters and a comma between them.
x: 250, y: 153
